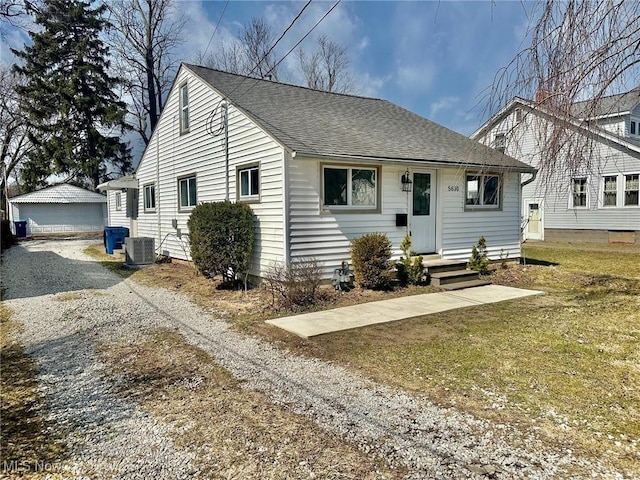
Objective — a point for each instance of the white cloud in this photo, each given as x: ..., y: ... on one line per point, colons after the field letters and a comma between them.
x: 415, y: 79
x: 443, y: 104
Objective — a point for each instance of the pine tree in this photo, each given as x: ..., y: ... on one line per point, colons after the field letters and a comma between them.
x: 69, y: 98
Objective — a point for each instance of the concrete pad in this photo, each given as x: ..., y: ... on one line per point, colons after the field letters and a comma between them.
x: 312, y: 324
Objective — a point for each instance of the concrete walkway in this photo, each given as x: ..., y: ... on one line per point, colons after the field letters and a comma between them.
x: 345, y: 318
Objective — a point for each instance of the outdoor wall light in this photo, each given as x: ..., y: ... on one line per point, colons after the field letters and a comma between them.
x: 406, y: 181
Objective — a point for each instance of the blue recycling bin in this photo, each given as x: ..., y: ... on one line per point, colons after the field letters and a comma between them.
x: 114, y: 238
x: 21, y: 228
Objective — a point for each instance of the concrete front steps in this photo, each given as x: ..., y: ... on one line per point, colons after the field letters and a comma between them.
x: 450, y: 274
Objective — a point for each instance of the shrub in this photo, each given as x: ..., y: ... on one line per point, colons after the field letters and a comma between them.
x: 479, y: 260
x: 410, y: 271
x: 221, y: 237
x: 295, y: 284
x: 370, y: 256
x: 6, y: 236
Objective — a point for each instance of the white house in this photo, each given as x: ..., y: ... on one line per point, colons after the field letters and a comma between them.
x: 320, y: 169
x: 601, y: 202
x: 60, y: 209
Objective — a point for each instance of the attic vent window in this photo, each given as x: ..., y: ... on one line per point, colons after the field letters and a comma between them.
x: 518, y: 114
x: 499, y: 142
x: 184, y: 108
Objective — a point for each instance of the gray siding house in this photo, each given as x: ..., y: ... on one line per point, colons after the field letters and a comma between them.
x: 601, y: 203
x: 320, y: 169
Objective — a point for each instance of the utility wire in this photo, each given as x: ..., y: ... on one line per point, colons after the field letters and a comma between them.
x: 215, y: 29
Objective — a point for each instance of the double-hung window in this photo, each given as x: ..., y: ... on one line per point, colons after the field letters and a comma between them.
x: 118, y: 201
x: 249, y: 181
x: 579, y: 192
x: 482, y: 191
x: 187, y: 192
x: 350, y: 187
x: 633, y: 127
x: 149, y: 195
x: 610, y: 191
x: 632, y: 190
x: 184, y: 108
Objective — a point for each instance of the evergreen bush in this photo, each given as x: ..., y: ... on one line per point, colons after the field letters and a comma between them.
x: 221, y: 236
x: 410, y: 271
x: 370, y: 255
x: 479, y: 260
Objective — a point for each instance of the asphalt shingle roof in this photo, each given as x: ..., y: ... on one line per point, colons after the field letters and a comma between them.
x: 316, y: 123
x: 614, y: 104
x: 63, y: 193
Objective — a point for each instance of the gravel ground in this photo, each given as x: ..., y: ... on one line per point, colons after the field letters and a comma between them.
x: 111, y: 438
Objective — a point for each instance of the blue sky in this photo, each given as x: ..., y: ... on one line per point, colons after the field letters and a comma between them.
x: 435, y: 58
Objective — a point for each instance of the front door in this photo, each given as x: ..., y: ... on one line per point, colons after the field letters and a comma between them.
x: 423, y: 212
x: 534, y: 229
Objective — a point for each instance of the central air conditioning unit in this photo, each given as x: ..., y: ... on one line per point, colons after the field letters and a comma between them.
x: 140, y: 250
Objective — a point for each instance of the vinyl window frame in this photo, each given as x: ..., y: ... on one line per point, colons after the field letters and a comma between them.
x: 625, y: 190
x: 248, y: 169
x: 118, y: 201
x: 149, y: 198
x: 349, y: 207
x: 482, y: 178
x: 187, y: 179
x: 572, y: 193
x: 183, y: 93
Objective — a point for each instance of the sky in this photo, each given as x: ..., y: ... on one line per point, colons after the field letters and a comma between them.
x: 435, y: 58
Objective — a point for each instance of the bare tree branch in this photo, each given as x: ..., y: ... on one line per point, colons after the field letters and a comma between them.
x: 327, y: 68
x: 145, y: 36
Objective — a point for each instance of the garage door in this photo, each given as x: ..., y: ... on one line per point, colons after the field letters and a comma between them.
x: 59, y: 218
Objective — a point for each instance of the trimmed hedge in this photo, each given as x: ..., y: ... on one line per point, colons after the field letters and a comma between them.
x: 370, y: 256
x: 221, y: 236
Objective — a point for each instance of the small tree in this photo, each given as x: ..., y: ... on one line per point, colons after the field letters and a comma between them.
x: 370, y: 256
x: 479, y: 260
x: 410, y: 270
x: 221, y: 236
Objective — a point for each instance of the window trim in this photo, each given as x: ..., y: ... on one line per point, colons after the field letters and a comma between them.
x: 339, y: 209
x: 572, y: 204
x: 248, y: 167
x: 118, y: 201
x: 184, y: 86
x: 482, y: 207
x: 187, y: 208
x: 624, y: 190
x: 146, y: 209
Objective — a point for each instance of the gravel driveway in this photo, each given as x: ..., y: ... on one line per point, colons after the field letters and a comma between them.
x: 112, y: 438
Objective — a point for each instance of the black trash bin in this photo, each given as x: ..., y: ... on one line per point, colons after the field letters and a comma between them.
x: 21, y: 228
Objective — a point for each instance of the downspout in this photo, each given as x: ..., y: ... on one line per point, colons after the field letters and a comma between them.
x: 158, y: 203
x: 534, y: 174
x: 225, y: 107
x: 285, y: 193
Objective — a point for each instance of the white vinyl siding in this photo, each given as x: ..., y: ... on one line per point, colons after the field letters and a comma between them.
x: 117, y: 217
x: 461, y: 227
x: 202, y: 155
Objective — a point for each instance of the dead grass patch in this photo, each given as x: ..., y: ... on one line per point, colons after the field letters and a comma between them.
x: 29, y: 446
x: 235, y: 433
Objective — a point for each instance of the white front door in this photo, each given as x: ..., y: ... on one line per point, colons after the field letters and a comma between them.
x: 534, y: 228
x: 423, y: 212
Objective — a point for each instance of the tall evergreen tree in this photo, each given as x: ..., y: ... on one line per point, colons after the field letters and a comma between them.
x: 75, y: 117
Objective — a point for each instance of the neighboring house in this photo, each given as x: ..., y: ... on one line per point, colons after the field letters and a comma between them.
x: 60, y: 209
x: 320, y: 169
x: 600, y: 203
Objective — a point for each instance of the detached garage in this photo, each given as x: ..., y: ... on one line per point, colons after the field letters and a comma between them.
x: 60, y: 209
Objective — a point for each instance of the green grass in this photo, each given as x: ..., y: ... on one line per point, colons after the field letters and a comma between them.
x: 567, y: 363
